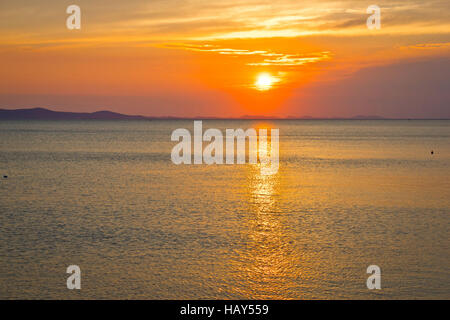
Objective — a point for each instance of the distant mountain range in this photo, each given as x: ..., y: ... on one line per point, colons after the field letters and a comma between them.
x: 45, y: 114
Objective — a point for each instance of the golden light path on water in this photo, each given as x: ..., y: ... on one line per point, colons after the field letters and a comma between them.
x: 266, y: 266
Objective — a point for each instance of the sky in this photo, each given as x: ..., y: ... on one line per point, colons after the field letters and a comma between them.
x: 228, y: 58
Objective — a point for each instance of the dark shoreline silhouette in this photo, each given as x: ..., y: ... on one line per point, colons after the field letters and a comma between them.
x: 46, y: 114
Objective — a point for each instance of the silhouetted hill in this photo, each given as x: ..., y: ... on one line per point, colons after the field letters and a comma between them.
x: 360, y: 117
x: 45, y: 114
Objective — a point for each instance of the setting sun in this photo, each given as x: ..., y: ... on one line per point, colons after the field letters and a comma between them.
x: 264, y: 82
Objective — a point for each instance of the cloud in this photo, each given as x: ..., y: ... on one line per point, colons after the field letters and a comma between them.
x: 428, y: 46
x: 409, y: 89
x: 263, y: 57
x: 292, y: 60
x: 226, y: 19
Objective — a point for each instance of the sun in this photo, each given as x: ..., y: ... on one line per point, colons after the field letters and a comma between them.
x: 264, y: 81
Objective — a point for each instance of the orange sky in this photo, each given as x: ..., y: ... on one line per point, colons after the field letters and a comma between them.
x: 203, y: 58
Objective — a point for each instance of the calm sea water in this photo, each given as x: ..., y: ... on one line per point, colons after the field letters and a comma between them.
x: 105, y: 195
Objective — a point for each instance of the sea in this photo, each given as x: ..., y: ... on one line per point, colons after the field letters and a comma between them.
x: 105, y: 196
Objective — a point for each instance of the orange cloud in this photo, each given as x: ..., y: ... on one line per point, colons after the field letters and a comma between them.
x: 266, y: 57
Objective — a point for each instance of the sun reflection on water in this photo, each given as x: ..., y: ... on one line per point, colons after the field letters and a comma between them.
x: 266, y: 263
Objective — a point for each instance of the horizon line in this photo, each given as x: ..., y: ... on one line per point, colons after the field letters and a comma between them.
x: 122, y: 116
